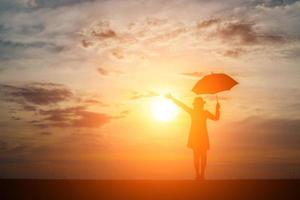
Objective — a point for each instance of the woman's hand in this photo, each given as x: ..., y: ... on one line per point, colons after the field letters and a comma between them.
x: 218, y: 106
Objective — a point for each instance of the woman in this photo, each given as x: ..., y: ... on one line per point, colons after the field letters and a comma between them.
x: 198, y: 136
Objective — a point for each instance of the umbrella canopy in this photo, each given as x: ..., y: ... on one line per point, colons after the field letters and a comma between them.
x: 214, y: 83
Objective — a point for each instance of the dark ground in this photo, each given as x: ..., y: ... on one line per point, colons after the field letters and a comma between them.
x: 149, y: 189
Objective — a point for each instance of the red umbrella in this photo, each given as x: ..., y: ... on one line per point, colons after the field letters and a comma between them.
x: 214, y: 83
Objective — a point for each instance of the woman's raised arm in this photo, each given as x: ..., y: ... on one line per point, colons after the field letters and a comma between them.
x: 179, y: 103
x: 215, y: 116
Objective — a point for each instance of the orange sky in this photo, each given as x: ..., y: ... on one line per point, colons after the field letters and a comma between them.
x: 78, y: 79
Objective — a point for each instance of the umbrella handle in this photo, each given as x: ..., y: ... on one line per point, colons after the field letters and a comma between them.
x: 217, y: 98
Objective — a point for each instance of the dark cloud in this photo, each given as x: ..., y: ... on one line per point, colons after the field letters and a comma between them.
x: 3, y: 145
x: 100, y: 35
x: 12, y: 49
x: 293, y: 53
x: 104, y: 34
x: 28, y: 5
x: 140, y: 95
x: 39, y: 96
x: 208, y: 23
x: 27, y: 107
x: 45, y: 133
x: 60, y: 115
x: 193, y: 74
x: 30, y: 29
x: 234, y: 53
x: 245, y: 33
x: 15, y: 118
x: 90, y: 119
x: 242, y: 33
x: 72, y: 117
x: 273, y: 3
x: 117, y: 53
x: 36, y: 94
x: 118, y: 42
x: 238, y: 32
x: 258, y: 132
x: 17, y: 149
x: 86, y: 44
x: 103, y: 71
x: 59, y: 3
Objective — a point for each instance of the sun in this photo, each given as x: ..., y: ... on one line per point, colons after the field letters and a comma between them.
x: 163, y: 109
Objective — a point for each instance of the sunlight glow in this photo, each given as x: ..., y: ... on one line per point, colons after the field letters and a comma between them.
x: 163, y: 109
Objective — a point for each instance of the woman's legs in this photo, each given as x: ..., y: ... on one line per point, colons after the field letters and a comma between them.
x: 203, y: 163
x: 197, y: 155
x: 196, y: 162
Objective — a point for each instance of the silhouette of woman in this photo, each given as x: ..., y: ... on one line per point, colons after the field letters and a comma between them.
x: 198, y: 136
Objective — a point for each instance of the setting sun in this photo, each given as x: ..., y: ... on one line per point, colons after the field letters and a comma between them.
x: 163, y: 109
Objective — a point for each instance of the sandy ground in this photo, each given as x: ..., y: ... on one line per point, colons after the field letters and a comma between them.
x: 149, y: 189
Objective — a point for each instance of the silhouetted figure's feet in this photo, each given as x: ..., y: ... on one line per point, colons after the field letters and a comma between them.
x: 200, y: 177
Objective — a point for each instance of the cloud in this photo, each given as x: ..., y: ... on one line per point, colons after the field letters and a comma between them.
x: 3, y: 145
x: 117, y: 53
x: 86, y: 44
x: 15, y: 118
x: 273, y: 3
x: 45, y: 133
x: 259, y: 132
x: 125, y: 112
x: 141, y: 95
x: 72, y: 117
x: 59, y: 3
x: 238, y: 32
x: 93, y: 101
x: 193, y: 74
x: 292, y: 53
x: 131, y: 39
x: 234, y: 53
x: 46, y: 101
x: 38, y: 4
x: 90, y: 119
x: 143, y: 38
x: 36, y: 93
x: 104, y: 34
x: 208, y: 23
x: 105, y: 72
x: 12, y: 49
x: 122, y: 114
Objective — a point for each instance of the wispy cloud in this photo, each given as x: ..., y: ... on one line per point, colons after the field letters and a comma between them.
x: 234, y: 53
x: 46, y: 101
x: 237, y: 32
x: 193, y: 74
x: 71, y: 117
x: 11, y: 50
x: 263, y: 133
x: 37, y: 93
x: 141, y: 95
x: 108, y: 72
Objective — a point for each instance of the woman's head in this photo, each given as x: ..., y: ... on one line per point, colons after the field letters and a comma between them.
x: 198, y: 103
